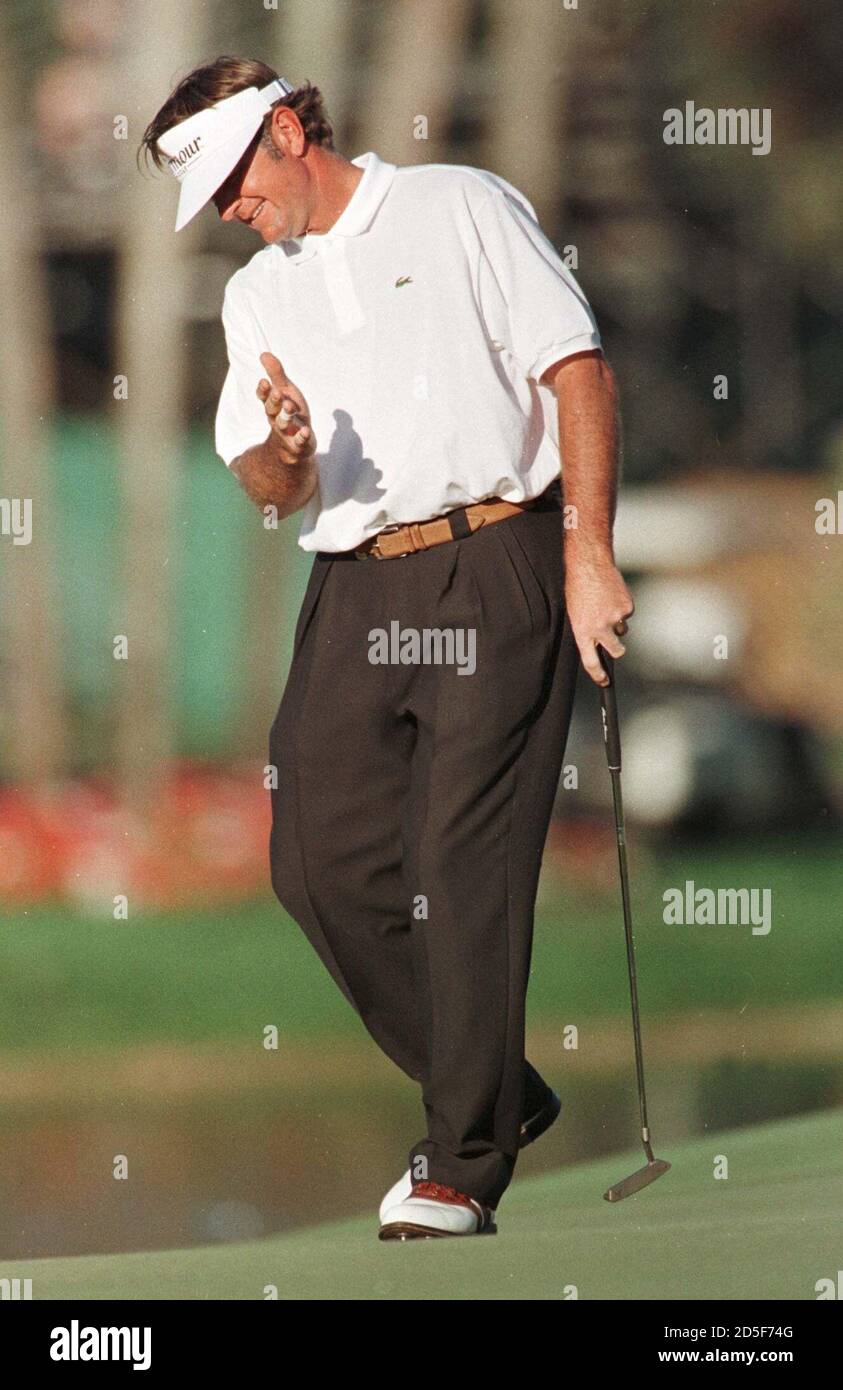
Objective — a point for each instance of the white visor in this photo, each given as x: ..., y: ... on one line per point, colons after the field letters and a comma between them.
x: 203, y: 150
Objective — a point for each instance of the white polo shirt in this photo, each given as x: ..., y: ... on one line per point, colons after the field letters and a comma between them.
x: 416, y: 328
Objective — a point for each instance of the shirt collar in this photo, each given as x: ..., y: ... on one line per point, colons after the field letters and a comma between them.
x: 358, y: 214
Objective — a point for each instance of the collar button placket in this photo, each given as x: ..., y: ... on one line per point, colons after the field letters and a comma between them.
x: 340, y: 285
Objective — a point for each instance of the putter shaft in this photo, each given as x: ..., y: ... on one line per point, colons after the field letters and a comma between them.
x: 611, y: 736
x: 620, y: 831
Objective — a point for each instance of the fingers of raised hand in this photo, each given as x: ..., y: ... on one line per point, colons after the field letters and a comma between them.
x: 271, y: 397
x: 272, y: 391
x: 293, y: 428
x: 279, y: 406
x: 285, y: 408
x: 288, y: 419
x: 273, y: 369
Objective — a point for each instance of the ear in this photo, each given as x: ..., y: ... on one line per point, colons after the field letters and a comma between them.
x: 287, y: 132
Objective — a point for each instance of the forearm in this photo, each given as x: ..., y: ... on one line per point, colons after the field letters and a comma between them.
x: 270, y: 478
x: 596, y: 598
x: 589, y: 436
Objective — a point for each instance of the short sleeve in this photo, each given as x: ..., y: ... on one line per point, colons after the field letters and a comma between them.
x: 241, y: 418
x: 529, y: 298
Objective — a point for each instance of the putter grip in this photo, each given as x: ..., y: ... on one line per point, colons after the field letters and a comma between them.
x: 609, y: 705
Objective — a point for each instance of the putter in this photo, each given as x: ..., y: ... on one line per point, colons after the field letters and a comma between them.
x: 654, y: 1167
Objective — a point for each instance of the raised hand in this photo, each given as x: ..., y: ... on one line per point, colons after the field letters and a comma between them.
x: 286, y: 411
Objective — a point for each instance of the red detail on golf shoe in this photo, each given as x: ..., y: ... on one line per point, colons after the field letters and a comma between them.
x: 437, y: 1193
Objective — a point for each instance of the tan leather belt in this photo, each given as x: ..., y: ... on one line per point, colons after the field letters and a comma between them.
x: 394, y: 541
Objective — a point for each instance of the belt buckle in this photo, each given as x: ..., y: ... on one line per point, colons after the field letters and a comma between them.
x: 386, y: 531
x: 372, y: 553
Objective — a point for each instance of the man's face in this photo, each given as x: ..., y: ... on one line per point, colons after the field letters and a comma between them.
x: 267, y: 193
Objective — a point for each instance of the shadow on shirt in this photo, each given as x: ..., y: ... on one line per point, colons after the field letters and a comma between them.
x: 343, y: 471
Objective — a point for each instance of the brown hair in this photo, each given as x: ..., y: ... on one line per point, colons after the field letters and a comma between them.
x: 212, y: 82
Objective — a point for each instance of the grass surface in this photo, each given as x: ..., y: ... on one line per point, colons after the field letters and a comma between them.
x: 67, y: 980
x: 769, y: 1231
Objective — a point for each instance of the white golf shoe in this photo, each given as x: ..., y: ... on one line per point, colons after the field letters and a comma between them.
x: 531, y: 1129
x: 399, y: 1192
x: 434, y: 1210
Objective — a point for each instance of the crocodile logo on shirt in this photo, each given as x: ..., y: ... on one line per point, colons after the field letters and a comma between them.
x: 403, y: 280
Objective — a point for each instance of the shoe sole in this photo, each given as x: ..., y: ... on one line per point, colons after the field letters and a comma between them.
x: 534, y: 1128
x: 406, y: 1230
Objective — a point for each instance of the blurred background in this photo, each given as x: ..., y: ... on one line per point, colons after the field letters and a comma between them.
x: 147, y: 623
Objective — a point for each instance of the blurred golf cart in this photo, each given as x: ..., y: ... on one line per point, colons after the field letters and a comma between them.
x: 726, y: 724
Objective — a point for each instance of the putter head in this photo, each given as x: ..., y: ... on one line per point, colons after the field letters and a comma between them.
x: 636, y: 1181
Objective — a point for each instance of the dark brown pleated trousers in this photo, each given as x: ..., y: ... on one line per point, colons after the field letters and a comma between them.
x: 411, y: 813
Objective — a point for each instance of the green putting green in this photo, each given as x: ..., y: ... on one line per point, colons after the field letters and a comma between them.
x: 771, y: 1230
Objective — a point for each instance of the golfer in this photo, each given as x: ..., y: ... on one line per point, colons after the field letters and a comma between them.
x: 410, y: 362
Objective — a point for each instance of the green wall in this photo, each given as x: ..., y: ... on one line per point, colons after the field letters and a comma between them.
x: 216, y: 539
